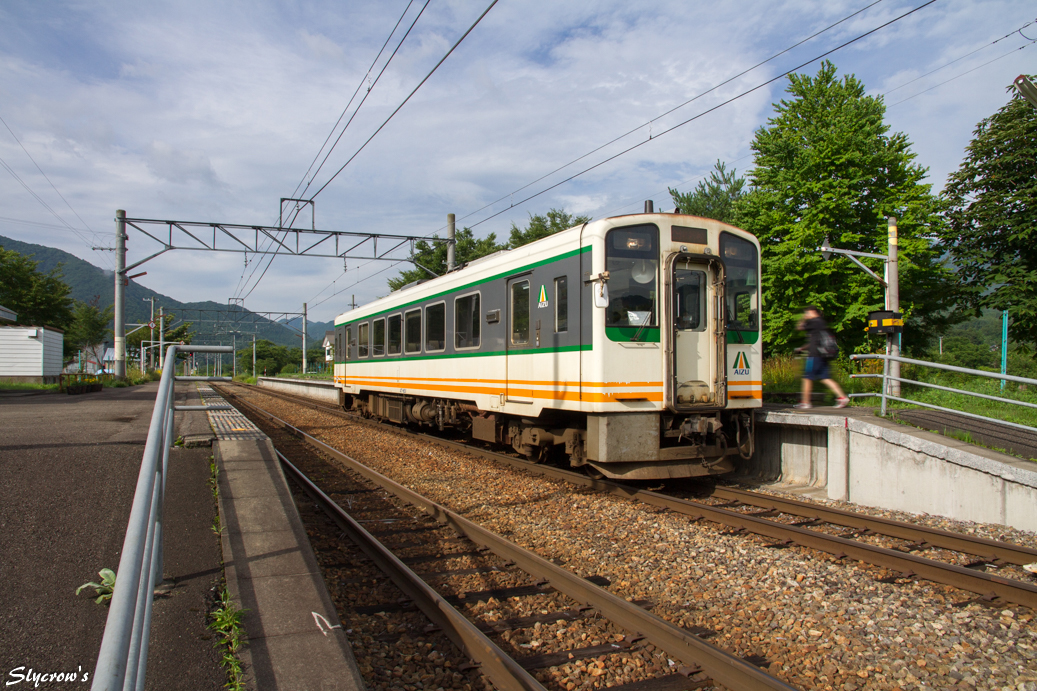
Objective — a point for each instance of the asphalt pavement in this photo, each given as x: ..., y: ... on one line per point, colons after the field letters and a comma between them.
x: 69, y: 467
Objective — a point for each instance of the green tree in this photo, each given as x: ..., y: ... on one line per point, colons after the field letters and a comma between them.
x: 991, y: 231
x: 543, y: 225
x: 826, y: 166
x: 432, y: 256
x: 713, y: 198
x: 89, y: 328
x: 38, y: 299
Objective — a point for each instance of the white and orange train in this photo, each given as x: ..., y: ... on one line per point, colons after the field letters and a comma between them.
x: 631, y: 344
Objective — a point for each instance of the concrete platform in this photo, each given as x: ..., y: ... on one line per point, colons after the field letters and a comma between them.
x: 295, y: 640
x: 853, y: 455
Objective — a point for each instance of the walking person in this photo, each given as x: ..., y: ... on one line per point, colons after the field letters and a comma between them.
x: 821, y: 347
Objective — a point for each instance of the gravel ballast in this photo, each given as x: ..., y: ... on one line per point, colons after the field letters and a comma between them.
x: 815, y: 622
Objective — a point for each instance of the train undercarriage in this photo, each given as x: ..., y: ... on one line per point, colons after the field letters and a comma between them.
x: 631, y: 446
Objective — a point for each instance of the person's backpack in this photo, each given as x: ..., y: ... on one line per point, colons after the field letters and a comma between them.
x: 827, y: 346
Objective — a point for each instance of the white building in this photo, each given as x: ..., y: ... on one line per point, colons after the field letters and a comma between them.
x: 31, y: 353
x: 329, y: 346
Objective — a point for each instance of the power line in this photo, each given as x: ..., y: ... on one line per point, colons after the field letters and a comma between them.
x: 705, y: 112
x: 270, y: 260
x: 40, y: 199
x: 948, y: 64
x: 422, y: 82
x: 346, y: 109
x: 1026, y: 45
x: 671, y: 110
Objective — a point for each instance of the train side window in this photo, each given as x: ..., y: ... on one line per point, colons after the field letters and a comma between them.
x: 349, y: 343
x: 363, y: 334
x: 466, y: 322
x: 378, y: 337
x: 435, y: 327
x: 412, y: 331
x: 561, y: 305
x: 520, y: 313
x: 395, y: 334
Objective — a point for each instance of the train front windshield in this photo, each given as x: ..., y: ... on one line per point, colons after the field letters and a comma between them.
x: 632, y: 260
x: 741, y: 264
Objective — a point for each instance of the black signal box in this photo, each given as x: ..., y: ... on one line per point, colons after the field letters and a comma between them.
x: 885, y: 322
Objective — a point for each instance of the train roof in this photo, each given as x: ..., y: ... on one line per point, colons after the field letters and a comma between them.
x: 485, y: 268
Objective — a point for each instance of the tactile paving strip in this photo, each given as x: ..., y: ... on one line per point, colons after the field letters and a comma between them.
x: 229, y: 425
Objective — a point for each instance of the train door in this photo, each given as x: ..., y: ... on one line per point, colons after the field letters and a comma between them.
x: 696, y: 356
x: 519, y: 340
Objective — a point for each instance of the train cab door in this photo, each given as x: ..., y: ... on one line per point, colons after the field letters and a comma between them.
x: 695, y: 364
x: 519, y: 340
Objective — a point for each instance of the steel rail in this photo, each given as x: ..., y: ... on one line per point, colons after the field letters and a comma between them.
x: 984, y: 584
x: 503, y: 670
x: 721, y: 666
x: 934, y: 537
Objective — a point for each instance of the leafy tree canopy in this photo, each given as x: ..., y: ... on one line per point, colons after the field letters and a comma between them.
x: 89, y: 328
x: 432, y: 255
x: 991, y: 231
x: 38, y: 299
x: 712, y: 198
x: 270, y: 357
x: 826, y: 166
x: 540, y: 226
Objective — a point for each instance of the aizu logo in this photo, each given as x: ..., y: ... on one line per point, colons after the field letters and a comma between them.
x: 741, y: 364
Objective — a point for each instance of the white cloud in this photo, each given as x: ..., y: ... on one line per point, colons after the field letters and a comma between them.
x: 214, y: 112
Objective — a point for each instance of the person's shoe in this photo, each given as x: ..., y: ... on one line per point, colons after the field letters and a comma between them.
x: 842, y: 402
x: 804, y: 405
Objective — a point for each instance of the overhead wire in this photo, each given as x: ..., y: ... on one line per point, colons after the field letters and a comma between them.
x: 959, y: 59
x: 270, y: 259
x: 705, y: 112
x: 958, y: 76
x: 672, y: 110
x: 409, y: 96
x: 40, y: 199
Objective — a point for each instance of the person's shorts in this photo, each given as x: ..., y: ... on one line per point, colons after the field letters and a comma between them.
x: 817, y: 369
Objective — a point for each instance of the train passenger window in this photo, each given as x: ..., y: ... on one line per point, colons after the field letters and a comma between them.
x: 466, y: 321
x: 363, y: 334
x: 349, y: 342
x: 395, y: 334
x: 632, y: 260
x: 435, y: 327
x: 561, y: 305
x: 520, y: 313
x: 412, y: 332
x: 689, y: 291
x: 741, y: 264
x: 378, y: 337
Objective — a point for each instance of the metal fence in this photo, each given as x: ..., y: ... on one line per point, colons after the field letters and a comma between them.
x: 123, y: 658
x: 887, y: 379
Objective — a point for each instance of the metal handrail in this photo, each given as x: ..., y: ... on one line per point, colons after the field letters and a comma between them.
x: 123, y: 658
x: 886, y: 378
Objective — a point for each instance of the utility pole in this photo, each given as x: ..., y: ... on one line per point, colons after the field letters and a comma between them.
x: 161, y: 337
x: 304, y: 338
x: 253, y: 356
x: 893, y: 305
x: 451, y: 243
x: 120, y: 294
x: 151, y: 328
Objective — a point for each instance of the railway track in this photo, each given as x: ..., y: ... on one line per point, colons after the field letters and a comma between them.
x: 843, y: 534
x: 440, y: 538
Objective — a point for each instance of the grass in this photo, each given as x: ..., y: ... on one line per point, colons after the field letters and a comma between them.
x: 783, y: 373
x: 226, y: 622
x: 26, y: 386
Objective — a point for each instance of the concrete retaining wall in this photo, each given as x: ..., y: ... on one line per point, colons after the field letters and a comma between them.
x: 875, y: 462
x: 311, y: 388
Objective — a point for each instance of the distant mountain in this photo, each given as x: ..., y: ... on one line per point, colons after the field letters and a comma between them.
x: 88, y: 282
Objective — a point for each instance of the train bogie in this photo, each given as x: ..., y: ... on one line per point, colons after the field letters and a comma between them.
x: 629, y: 345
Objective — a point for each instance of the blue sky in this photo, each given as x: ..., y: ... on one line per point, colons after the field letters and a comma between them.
x: 214, y: 111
